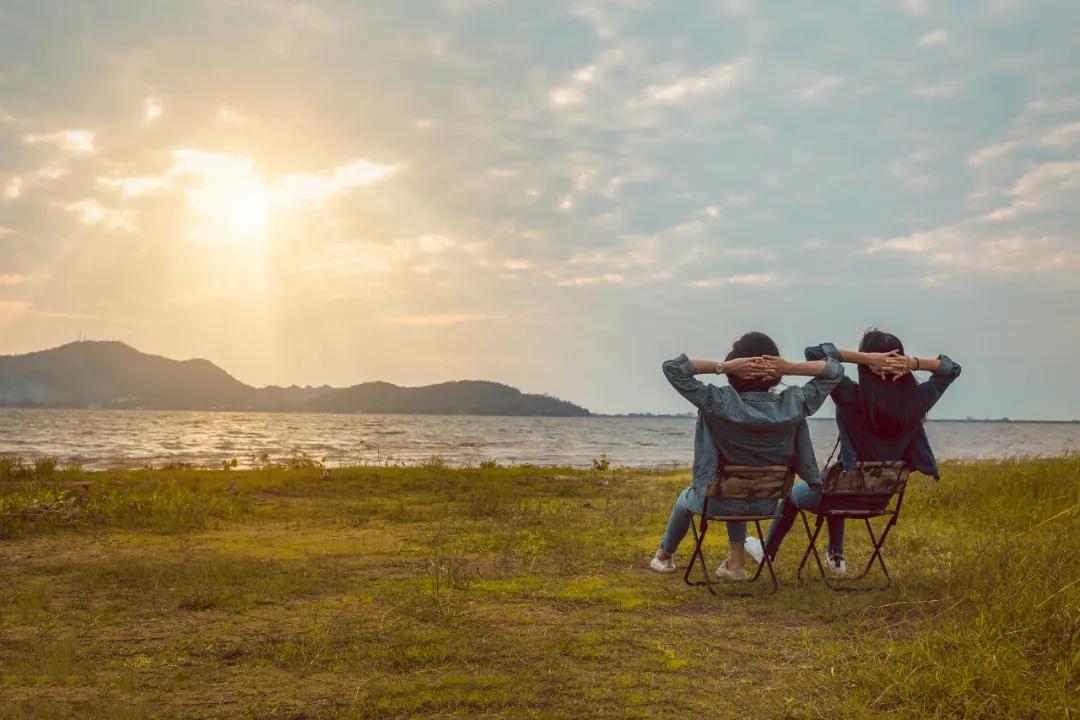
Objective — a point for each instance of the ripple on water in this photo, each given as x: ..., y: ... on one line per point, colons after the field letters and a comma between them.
x: 100, y: 439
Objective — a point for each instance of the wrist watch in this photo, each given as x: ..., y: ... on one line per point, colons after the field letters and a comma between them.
x: 719, y: 369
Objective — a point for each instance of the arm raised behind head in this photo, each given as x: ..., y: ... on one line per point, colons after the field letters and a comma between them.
x: 826, y: 375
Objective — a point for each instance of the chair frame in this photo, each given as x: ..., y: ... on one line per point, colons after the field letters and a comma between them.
x: 891, y: 477
x: 752, y: 478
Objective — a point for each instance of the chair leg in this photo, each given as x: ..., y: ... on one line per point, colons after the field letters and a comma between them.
x: 698, y: 555
x: 811, y: 546
x: 877, y: 543
x: 765, y: 564
x: 876, y: 555
x: 766, y: 561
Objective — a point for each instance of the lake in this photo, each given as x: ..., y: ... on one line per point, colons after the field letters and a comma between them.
x: 105, y: 439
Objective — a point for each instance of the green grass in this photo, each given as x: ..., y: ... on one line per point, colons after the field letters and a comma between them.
x: 396, y: 592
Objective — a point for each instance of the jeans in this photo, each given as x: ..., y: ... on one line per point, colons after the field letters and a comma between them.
x: 803, y: 497
x: 683, y: 511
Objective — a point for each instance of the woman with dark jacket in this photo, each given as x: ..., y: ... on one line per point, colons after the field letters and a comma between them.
x: 880, y: 417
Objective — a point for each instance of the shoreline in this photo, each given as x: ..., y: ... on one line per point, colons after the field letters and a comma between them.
x: 590, y: 416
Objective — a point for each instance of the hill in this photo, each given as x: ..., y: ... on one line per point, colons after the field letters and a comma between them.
x: 116, y: 375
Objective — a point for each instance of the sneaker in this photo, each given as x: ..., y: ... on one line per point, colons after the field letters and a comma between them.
x: 835, y: 565
x: 753, y: 549
x: 724, y: 573
x: 662, y: 566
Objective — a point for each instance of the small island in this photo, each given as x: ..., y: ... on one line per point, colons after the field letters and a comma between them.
x: 113, y: 375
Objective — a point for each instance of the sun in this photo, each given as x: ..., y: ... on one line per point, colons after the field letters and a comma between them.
x: 245, y: 213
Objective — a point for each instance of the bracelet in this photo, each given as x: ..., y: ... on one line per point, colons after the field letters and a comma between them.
x: 916, y: 363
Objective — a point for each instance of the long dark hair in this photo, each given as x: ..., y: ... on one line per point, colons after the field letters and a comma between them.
x: 890, y: 407
x: 752, y: 344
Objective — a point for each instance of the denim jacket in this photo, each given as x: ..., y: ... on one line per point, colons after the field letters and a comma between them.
x: 859, y: 442
x: 750, y: 428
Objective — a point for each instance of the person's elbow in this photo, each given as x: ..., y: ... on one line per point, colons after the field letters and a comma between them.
x: 949, y: 367
x: 679, y: 367
x: 834, y: 370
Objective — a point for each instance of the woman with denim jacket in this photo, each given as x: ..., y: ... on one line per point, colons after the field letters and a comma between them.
x: 745, y: 423
x: 878, y: 418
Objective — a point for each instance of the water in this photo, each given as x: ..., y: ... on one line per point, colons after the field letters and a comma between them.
x: 101, y: 439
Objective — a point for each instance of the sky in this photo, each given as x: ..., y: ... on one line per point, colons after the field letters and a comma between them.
x: 555, y: 195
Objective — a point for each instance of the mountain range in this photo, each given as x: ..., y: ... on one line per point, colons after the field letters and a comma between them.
x: 115, y: 375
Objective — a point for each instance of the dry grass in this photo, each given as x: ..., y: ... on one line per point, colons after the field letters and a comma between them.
x: 514, y: 592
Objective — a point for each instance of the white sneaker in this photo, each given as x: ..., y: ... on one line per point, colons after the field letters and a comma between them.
x: 724, y: 573
x: 662, y: 566
x: 754, y: 549
x: 835, y: 565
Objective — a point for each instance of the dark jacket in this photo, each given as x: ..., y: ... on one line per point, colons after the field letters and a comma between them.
x: 858, y: 441
x: 750, y: 428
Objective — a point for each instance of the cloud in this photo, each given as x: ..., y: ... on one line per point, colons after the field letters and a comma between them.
x: 753, y: 253
x: 915, y: 7
x: 1062, y: 136
x: 1010, y: 212
x: 1045, y: 186
x: 12, y: 279
x: 11, y: 310
x: 227, y: 190
x: 91, y: 212
x: 227, y: 114
x: 716, y: 80
x: 935, y: 38
x: 915, y: 242
x: 737, y: 8
x: 152, y: 109
x: 605, y: 16
x: 988, y: 154
x: 437, y: 320
x: 304, y: 15
x: 307, y: 187
x: 137, y: 186
x: 1047, y: 106
x: 13, y: 188
x: 575, y: 92
x: 429, y: 244
x: 1054, y: 138
x: 944, y: 90
x: 589, y: 280
x: 820, y: 87
x: 909, y: 172
x: 76, y: 142
x: 750, y: 279
x: 635, y: 251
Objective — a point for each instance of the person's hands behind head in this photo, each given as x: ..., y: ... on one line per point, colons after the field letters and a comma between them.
x: 753, y: 368
x: 771, y: 366
x: 896, y: 366
x: 882, y: 363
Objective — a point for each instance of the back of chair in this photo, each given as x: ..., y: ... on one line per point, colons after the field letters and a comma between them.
x: 742, y: 482
x: 887, y: 477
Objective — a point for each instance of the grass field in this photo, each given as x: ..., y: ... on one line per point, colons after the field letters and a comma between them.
x: 428, y: 591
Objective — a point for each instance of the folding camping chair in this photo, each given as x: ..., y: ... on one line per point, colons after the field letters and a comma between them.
x: 741, y: 482
x: 863, y: 493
